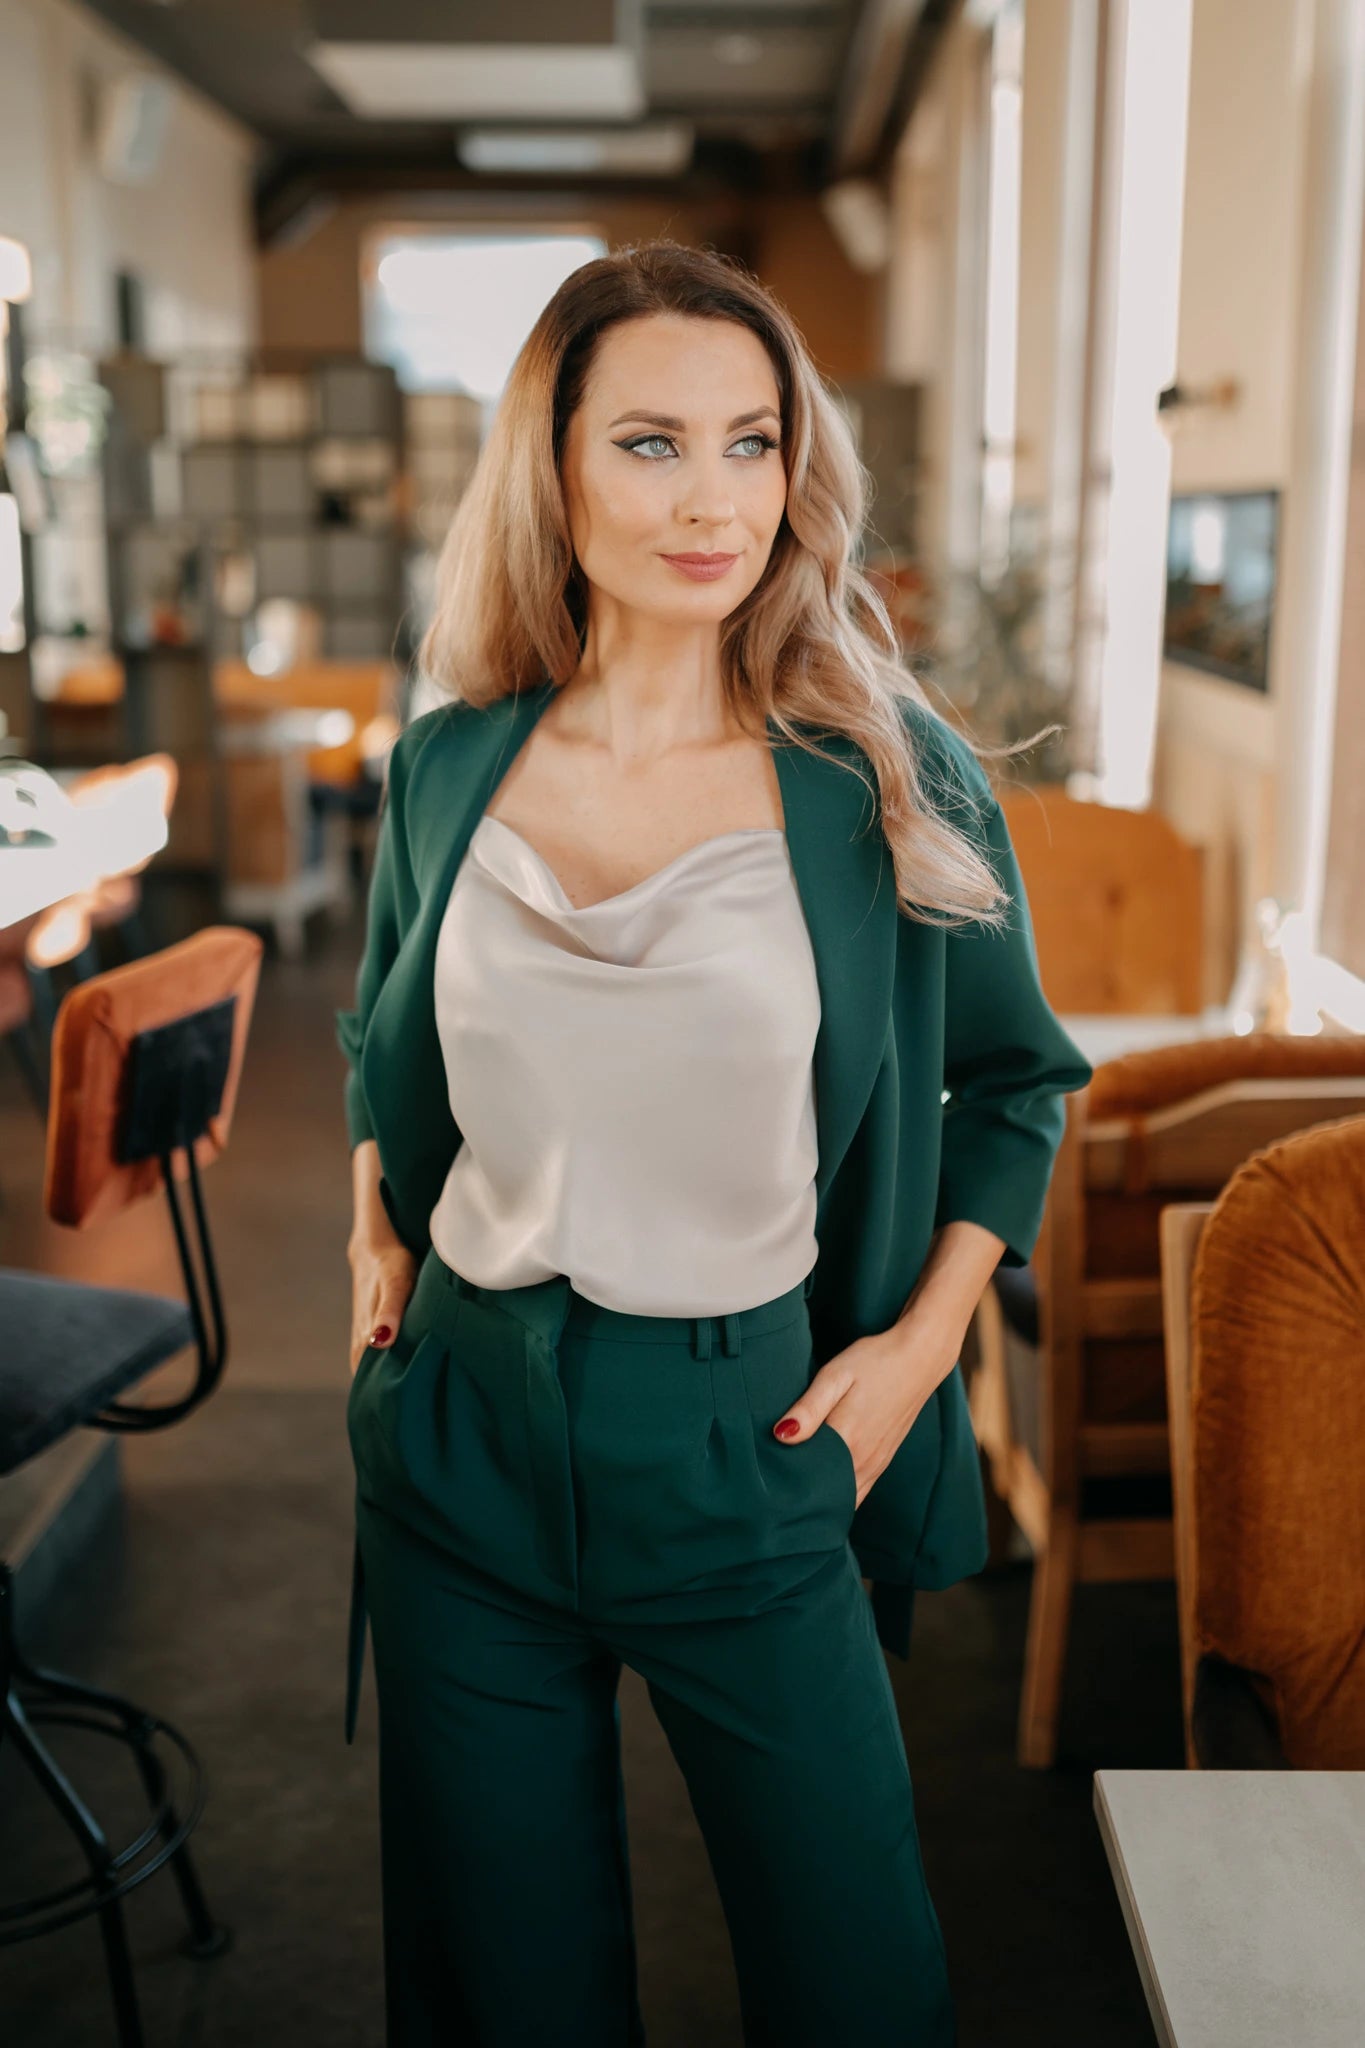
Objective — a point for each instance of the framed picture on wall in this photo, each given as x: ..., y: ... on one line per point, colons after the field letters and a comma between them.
x: 1220, y: 583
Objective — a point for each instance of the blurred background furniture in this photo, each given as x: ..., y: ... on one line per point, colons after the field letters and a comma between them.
x: 285, y: 860
x: 1068, y: 1392
x: 344, y: 771
x: 1116, y: 901
x: 1264, y: 1295
x: 18, y: 1021
x: 1241, y: 1894
x: 281, y: 783
x: 113, y: 903
x: 146, y: 1064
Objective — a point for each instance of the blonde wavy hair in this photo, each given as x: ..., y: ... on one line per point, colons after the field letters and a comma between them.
x: 812, y: 643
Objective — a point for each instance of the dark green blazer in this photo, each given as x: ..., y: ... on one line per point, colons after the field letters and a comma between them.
x: 909, y: 1013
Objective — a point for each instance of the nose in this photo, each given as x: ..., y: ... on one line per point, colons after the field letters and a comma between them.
x: 707, y: 499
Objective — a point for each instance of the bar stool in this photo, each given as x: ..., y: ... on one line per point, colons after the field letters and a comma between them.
x: 146, y: 1060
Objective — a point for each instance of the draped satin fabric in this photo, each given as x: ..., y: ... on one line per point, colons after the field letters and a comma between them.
x: 632, y: 1080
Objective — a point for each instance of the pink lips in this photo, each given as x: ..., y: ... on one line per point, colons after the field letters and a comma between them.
x: 702, y: 568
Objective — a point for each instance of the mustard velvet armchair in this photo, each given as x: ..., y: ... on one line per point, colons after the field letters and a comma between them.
x: 1265, y: 1346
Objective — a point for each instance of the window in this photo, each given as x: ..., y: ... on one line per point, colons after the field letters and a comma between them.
x: 451, y: 310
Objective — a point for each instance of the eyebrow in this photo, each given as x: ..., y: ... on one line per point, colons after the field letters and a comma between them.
x: 663, y: 419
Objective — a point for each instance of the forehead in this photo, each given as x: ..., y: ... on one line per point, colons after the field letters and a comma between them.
x: 669, y: 362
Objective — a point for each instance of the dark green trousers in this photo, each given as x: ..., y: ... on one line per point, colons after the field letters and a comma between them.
x: 548, y: 1490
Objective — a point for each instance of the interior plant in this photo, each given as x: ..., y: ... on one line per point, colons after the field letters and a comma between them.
x: 977, y: 642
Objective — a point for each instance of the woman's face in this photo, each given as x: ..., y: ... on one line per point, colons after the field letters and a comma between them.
x: 675, y: 450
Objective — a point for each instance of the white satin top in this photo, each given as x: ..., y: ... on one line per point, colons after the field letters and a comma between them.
x: 633, y: 1080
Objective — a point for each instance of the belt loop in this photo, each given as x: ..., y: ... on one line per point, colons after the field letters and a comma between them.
x: 808, y: 1283
x: 729, y: 1337
x: 701, y: 1337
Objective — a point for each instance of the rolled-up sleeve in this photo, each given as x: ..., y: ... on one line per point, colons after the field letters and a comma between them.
x: 1007, y: 1061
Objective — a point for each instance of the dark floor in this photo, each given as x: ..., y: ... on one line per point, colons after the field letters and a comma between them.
x: 220, y: 1600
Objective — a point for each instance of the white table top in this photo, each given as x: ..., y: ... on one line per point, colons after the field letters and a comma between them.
x: 73, y: 845
x: 1244, y: 1894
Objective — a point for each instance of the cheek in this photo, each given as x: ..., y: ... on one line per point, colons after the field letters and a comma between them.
x: 771, y: 498
x: 760, y: 510
x: 614, y: 511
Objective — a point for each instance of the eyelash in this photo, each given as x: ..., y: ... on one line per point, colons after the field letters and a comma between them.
x: 766, y: 440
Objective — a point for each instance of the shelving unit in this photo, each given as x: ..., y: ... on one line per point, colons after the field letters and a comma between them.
x: 226, y: 486
x: 291, y: 480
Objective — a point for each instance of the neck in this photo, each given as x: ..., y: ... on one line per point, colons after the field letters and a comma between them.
x: 645, y: 685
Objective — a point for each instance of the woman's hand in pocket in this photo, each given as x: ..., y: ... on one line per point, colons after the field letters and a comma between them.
x: 383, y: 1275
x: 383, y: 1270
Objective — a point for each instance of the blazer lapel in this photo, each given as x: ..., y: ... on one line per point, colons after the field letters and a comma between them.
x: 401, y: 1062
x: 844, y: 878
x: 846, y: 882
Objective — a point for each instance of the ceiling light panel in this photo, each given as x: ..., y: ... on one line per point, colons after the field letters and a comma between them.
x: 660, y: 150
x: 457, y: 82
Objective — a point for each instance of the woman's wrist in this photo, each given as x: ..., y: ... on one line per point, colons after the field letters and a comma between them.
x: 939, y: 1310
x: 371, y: 1226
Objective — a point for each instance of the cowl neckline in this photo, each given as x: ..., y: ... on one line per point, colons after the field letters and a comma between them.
x: 503, y: 850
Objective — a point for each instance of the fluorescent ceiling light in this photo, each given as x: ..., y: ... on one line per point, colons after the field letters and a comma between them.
x: 472, y: 81
x: 660, y: 151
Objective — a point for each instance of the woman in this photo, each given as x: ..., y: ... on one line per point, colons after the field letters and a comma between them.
x: 665, y: 1242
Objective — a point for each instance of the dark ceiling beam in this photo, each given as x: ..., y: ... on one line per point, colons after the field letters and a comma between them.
x: 887, y: 59
x: 295, y: 189
x: 934, y: 18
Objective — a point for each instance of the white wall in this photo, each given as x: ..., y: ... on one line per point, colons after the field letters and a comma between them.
x: 187, y: 231
x: 1218, y: 746
x: 1041, y: 199
x: 933, y: 309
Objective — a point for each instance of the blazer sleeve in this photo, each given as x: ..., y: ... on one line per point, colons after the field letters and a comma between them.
x: 1007, y: 1060
x: 391, y: 894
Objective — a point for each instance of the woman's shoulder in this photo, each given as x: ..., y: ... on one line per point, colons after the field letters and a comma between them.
x: 948, y: 763
x: 454, y: 718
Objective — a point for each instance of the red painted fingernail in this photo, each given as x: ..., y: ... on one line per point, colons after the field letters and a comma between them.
x: 787, y: 1428
x: 382, y: 1334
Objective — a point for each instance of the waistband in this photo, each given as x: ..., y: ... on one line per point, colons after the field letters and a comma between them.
x: 553, y: 1305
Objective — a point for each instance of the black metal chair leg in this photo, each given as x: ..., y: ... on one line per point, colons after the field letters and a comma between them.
x: 95, y: 1848
x: 207, y: 1937
x: 119, y: 1964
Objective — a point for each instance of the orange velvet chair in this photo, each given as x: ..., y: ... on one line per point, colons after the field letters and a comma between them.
x: 1265, y: 1351
x: 146, y: 1062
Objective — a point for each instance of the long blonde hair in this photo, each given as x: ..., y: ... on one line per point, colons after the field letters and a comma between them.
x: 812, y: 643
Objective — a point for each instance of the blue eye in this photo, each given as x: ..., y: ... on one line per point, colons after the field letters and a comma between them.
x: 643, y: 440
x: 765, y: 443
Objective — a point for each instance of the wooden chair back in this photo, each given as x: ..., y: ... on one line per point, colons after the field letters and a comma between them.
x: 1116, y: 899
x: 366, y: 689
x: 111, y: 1021
x: 1182, y: 1226
x: 1122, y: 1160
x: 1079, y: 1445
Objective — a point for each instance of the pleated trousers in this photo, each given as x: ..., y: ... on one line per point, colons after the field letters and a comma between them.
x: 547, y: 1490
